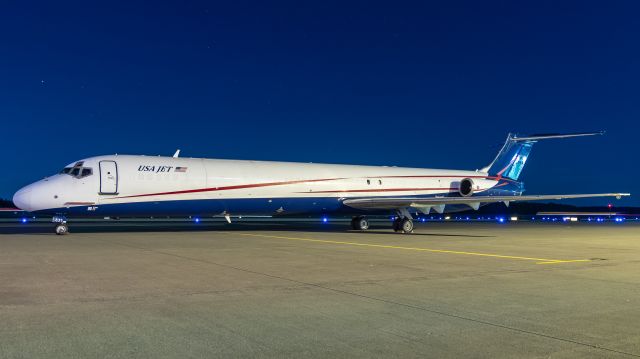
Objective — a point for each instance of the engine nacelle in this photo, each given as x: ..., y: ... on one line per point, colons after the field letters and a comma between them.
x: 466, y: 187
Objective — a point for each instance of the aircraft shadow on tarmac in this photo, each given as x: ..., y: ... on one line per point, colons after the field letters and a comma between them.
x: 133, y: 227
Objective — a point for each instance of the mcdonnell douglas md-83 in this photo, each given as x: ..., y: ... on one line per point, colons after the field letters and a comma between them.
x: 123, y: 185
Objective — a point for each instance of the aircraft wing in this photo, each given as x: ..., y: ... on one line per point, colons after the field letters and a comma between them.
x: 438, y: 203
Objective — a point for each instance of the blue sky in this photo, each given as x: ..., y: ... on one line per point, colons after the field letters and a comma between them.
x: 408, y: 84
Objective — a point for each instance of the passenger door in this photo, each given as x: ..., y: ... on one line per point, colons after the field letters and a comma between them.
x: 108, y: 177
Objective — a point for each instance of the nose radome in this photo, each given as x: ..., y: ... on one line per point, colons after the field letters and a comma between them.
x: 22, y: 199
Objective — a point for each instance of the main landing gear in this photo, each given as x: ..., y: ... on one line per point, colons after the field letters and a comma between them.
x: 401, y: 224
x: 61, y: 225
x: 404, y: 225
x: 360, y: 223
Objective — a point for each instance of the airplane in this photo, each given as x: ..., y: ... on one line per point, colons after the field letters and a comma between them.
x: 127, y: 185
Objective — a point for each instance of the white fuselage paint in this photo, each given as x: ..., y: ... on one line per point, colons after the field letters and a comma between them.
x: 158, y: 179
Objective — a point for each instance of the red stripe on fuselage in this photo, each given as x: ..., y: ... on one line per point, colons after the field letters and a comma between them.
x: 392, y: 190
x: 226, y: 188
x: 269, y: 184
x: 383, y: 190
x: 496, y: 178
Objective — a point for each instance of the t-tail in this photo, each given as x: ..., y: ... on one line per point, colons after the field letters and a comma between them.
x: 513, y: 156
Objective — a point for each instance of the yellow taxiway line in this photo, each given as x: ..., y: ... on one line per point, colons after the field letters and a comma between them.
x: 537, y: 260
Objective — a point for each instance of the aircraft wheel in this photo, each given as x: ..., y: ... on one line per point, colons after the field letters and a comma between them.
x: 407, y: 225
x: 362, y: 223
x: 62, y: 229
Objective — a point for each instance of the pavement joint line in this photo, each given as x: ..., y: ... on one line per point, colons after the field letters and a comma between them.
x: 446, y: 251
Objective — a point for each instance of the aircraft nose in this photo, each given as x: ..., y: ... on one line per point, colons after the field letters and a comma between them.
x: 22, y: 199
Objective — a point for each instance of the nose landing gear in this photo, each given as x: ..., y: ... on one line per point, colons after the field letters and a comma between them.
x: 61, y: 227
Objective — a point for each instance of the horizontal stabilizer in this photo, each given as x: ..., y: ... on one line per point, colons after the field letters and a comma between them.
x: 555, y: 135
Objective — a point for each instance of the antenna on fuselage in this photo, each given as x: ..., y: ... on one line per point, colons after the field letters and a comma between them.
x: 177, y: 154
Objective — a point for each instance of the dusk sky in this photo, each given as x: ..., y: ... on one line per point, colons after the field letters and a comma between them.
x: 407, y: 84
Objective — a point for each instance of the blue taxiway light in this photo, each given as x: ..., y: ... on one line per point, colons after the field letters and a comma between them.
x: 24, y: 220
x: 197, y: 220
x: 325, y: 219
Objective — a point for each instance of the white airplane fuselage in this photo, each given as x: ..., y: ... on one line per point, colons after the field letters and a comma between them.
x: 122, y: 185
x: 130, y: 186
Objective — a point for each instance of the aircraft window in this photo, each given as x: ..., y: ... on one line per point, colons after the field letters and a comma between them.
x: 380, y: 182
x: 368, y: 182
x: 77, y: 171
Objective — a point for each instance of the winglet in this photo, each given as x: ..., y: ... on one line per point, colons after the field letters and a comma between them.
x: 177, y: 154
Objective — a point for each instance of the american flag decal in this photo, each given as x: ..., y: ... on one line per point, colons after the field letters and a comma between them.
x: 180, y: 169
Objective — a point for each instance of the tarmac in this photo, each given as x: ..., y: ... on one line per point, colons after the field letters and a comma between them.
x: 252, y: 290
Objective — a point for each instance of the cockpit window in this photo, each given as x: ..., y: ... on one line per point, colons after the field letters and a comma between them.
x: 77, y: 170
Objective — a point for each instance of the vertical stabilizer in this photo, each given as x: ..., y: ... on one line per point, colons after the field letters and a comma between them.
x: 514, y: 154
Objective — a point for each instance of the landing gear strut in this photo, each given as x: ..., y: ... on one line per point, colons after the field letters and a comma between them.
x: 360, y: 223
